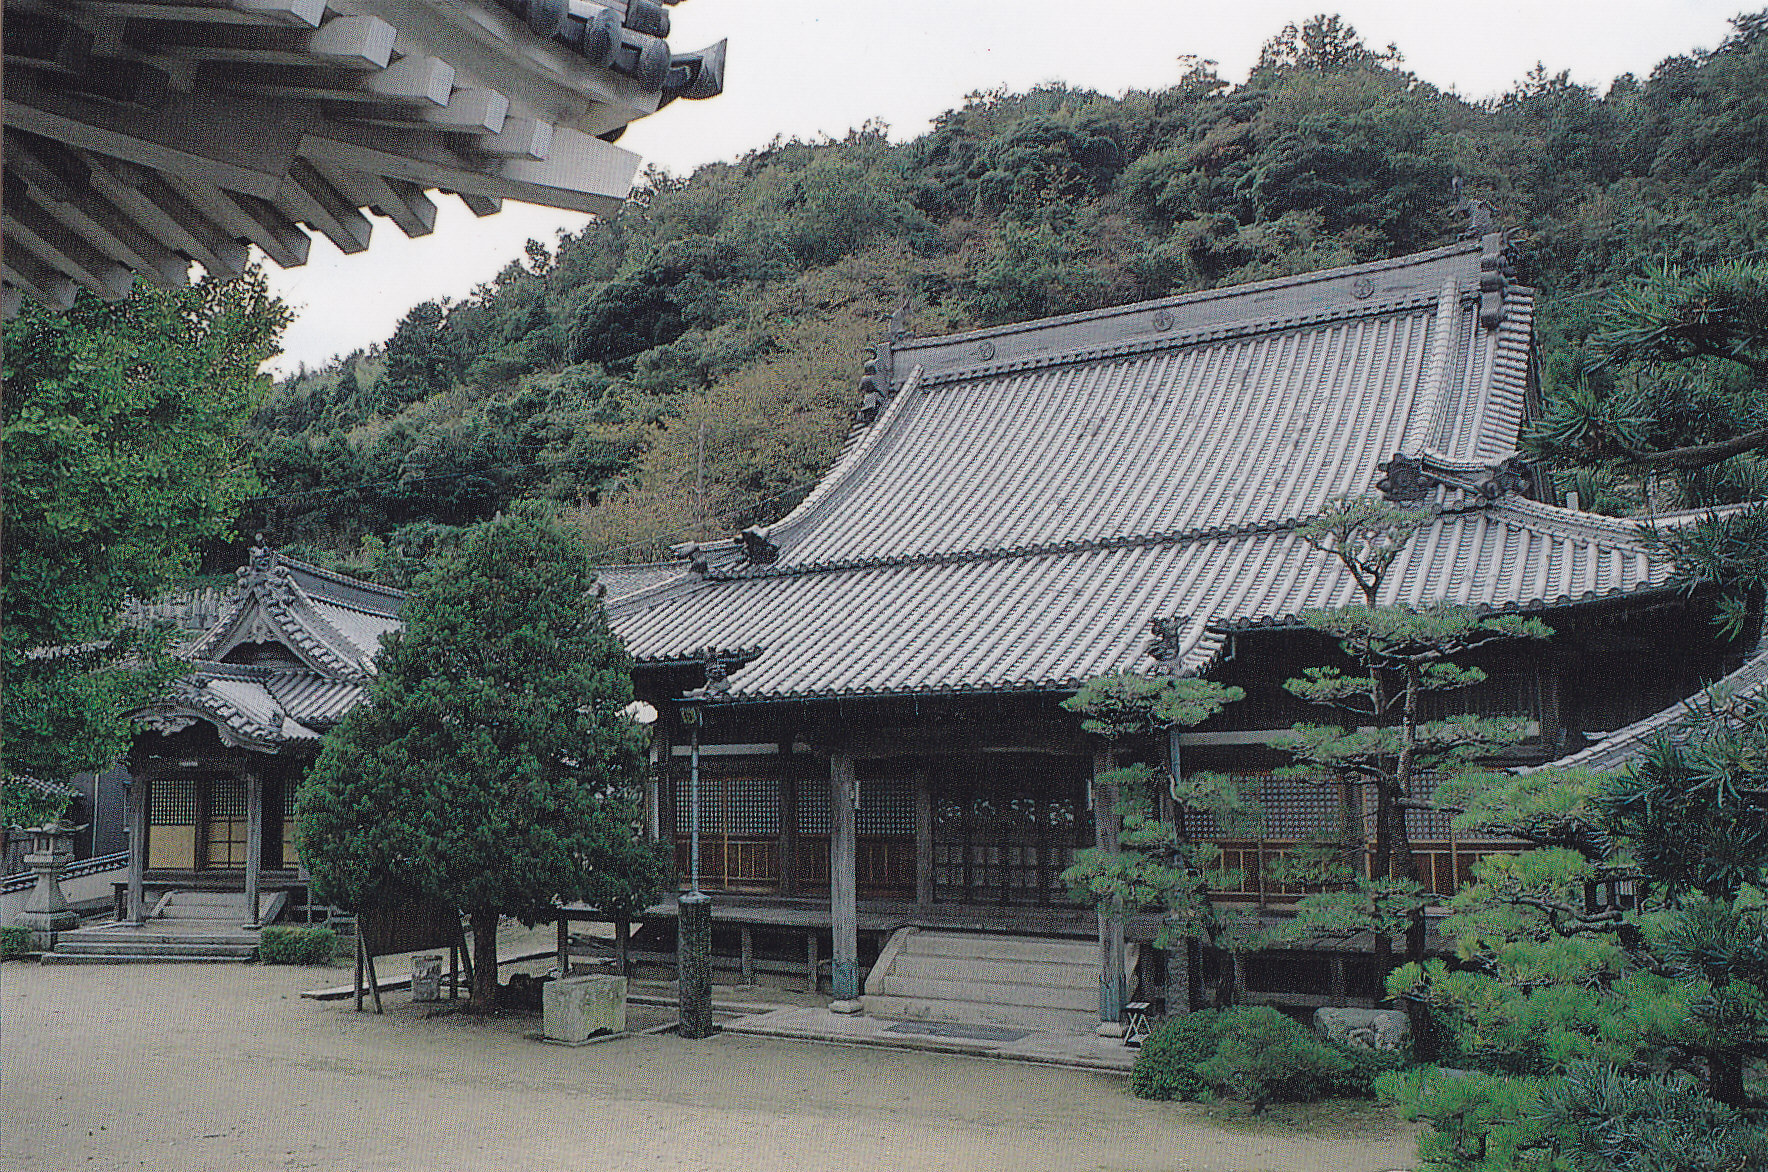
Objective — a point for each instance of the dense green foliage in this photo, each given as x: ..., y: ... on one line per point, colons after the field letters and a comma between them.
x: 15, y: 940
x: 720, y: 318
x: 122, y: 455
x: 1256, y: 1054
x: 295, y: 944
x: 1595, y: 1025
x: 492, y: 766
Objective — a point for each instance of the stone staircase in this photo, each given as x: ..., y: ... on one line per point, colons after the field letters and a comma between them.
x: 1031, y: 982
x: 184, y: 927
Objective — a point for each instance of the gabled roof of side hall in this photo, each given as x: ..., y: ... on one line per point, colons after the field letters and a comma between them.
x: 1029, y: 498
x: 325, y: 629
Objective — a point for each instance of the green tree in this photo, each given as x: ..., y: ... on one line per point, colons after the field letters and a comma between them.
x: 1159, y: 865
x: 492, y: 765
x: 1599, y: 1023
x: 1400, y: 656
x: 122, y: 455
x: 1676, y: 395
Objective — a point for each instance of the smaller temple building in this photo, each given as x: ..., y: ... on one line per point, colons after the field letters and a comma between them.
x: 214, y: 769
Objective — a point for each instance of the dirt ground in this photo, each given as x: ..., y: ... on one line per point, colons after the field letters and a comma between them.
x: 225, y: 1067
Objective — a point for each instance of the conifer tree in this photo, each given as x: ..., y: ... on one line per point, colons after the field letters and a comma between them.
x: 492, y: 765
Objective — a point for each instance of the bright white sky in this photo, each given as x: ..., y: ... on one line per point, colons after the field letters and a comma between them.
x: 806, y: 68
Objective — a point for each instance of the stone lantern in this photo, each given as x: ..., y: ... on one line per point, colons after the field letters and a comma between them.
x: 47, y: 912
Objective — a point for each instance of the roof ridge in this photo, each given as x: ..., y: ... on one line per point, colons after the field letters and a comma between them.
x: 1177, y: 340
x: 1198, y: 296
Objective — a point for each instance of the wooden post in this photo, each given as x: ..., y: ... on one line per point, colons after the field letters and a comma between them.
x: 748, y: 956
x: 564, y: 944
x: 1177, y: 993
x: 622, y: 943
x: 843, y: 885
x: 453, y: 971
x: 1335, y: 966
x: 788, y: 821
x: 923, y: 839
x: 138, y: 848
x: 1112, y: 990
x: 811, y: 984
x: 374, y: 981
x: 357, y: 986
x: 466, y: 954
x: 254, y: 843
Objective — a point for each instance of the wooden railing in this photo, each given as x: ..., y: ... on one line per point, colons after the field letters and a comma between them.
x: 1444, y: 867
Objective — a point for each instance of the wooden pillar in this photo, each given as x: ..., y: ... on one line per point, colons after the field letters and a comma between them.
x: 137, y: 909
x: 923, y: 838
x: 254, y: 843
x: 1177, y: 991
x: 788, y: 821
x: 1335, y: 966
x: 564, y: 944
x: 843, y: 885
x: 746, y: 961
x: 1112, y: 990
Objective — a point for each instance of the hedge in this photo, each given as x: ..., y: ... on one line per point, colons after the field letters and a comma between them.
x: 285, y: 944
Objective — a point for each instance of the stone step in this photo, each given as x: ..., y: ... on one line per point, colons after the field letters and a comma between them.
x: 199, y: 898
x: 988, y: 968
x: 979, y: 1013
x: 1026, y: 948
x: 205, y: 911
x: 166, y: 946
x: 138, y: 958
x: 990, y: 992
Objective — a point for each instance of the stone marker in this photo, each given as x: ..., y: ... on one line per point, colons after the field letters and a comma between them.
x: 577, y: 1008
x: 426, y: 978
x: 1364, y: 1029
x: 693, y: 960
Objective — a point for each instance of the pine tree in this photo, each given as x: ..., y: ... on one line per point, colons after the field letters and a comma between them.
x: 492, y: 766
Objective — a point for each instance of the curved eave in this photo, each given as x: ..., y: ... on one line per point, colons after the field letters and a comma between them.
x: 144, y: 137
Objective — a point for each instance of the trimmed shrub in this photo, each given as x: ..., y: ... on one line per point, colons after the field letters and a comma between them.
x: 1166, y: 1065
x: 15, y: 940
x: 1253, y: 1053
x: 286, y: 944
x: 1264, y: 1057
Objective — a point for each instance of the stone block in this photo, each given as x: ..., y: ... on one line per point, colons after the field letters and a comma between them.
x: 1364, y: 1029
x: 577, y: 1008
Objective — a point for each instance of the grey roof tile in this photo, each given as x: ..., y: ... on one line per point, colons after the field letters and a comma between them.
x: 1032, y: 496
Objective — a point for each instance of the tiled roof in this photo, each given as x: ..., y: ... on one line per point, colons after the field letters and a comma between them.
x: 331, y: 624
x: 1625, y: 745
x: 1031, y: 497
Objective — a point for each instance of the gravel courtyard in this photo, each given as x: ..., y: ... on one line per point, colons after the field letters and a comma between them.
x: 226, y: 1067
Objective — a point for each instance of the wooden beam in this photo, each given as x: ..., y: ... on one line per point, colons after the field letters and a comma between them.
x: 250, y: 218
x: 43, y: 283
x: 306, y: 196
x: 403, y: 203
x: 344, y: 42
x: 161, y: 213
x: 521, y: 138
x: 29, y: 227
x: 843, y: 885
x: 71, y: 199
x: 480, y: 205
x: 285, y: 13
x: 584, y: 174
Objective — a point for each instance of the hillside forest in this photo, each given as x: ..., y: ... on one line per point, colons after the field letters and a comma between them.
x: 689, y: 365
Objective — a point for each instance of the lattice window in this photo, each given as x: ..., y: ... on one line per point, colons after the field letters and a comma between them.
x: 1294, y: 808
x: 813, y: 806
x: 752, y: 805
x: 1426, y: 824
x: 172, y: 802
x: 886, y: 806
x: 227, y: 798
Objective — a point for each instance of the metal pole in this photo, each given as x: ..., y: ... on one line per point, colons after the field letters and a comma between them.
x: 694, y: 812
